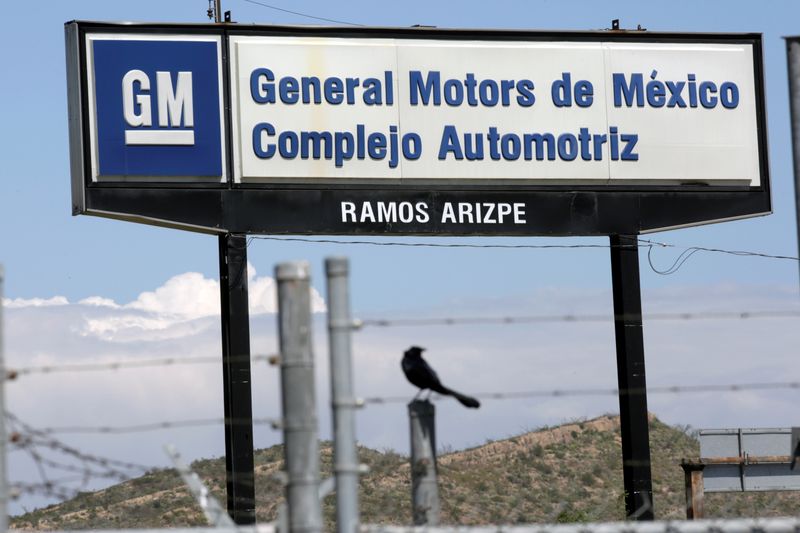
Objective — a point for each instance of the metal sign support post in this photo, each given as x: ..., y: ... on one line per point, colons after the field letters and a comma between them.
x: 240, y: 475
x: 793, y: 56
x: 631, y: 377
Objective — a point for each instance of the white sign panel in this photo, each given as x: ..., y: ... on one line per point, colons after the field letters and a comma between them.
x: 369, y: 110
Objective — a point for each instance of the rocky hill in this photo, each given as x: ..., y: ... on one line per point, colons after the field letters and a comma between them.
x: 568, y: 473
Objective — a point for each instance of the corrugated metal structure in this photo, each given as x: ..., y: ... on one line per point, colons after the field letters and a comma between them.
x: 754, y: 459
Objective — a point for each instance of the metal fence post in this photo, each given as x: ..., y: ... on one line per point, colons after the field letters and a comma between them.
x: 424, y: 483
x: 343, y: 402
x: 301, y: 447
x: 693, y: 483
x: 3, y: 374
x: 793, y: 59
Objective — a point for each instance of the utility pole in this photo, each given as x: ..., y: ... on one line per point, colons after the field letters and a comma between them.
x: 217, y: 10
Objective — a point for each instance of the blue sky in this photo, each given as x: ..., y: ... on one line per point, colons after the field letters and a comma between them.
x: 138, y: 276
x: 49, y: 252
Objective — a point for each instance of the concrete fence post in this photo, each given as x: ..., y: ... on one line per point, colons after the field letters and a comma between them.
x: 300, y: 434
x: 343, y: 402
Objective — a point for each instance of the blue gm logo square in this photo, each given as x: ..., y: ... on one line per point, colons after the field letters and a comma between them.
x: 157, y: 108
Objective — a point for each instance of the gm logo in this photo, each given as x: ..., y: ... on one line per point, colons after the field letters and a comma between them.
x: 157, y: 108
x: 174, y: 108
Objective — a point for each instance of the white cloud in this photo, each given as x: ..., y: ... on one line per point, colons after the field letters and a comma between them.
x: 167, y: 312
x: 188, y: 295
x: 99, y: 301
x: 183, y: 297
x: 191, y: 295
x: 137, y: 328
x: 263, y: 298
x: 19, y: 303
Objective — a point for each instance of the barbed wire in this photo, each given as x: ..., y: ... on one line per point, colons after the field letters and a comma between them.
x: 560, y: 393
x: 18, y: 488
x: 156, y: 426
x: 13, y: 373
x: 37, y: 444
x: 276, y: 423
x: 58, y: 487
x: 78, y: 470
x: 30, y: 437
x: 505, y: 395
x: 500, y: 320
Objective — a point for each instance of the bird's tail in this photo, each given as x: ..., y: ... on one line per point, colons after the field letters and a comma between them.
x: 466, y: 401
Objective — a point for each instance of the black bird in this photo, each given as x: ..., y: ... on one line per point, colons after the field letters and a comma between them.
x: 419, y: 373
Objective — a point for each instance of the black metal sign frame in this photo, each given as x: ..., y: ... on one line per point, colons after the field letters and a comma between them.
x: 551, y: 210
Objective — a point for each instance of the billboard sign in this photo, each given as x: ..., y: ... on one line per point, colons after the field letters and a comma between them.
x: 415, y: 131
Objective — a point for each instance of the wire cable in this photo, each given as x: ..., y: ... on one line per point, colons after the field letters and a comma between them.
x: 558, y: 393
x: 299, y: 14
x: 503, y: 320
x: 691, y: 250
x: 437, y: 245
x: 741, y: 253
x: 681, y: 259
x: 125, y: 364
x: 155, y: 426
